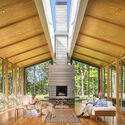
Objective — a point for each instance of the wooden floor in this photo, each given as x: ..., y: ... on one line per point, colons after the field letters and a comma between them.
x: 8, y: 118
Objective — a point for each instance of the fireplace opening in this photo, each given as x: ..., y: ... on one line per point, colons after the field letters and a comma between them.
x: 61, y: 90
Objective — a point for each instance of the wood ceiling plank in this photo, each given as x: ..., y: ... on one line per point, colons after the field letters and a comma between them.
x: 23, y: 46
x: 101, y: 46
x: 4, y: 3
x: 20, y: 31
x: 38, y: 62
x: 14, y: 12
x: 87, y: 59
x: 109, y: 10
x: 29, y: 54
x: 37, y: 55
x: 80, y: 60
x: 26, y: 51
x: 93, y: 54
x: 103, y: 30
x: 34, y: 60
x: 91, y: 57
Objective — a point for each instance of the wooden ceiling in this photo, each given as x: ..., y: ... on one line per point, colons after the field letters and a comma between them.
x: 102, y: 35
x: 22, y: 39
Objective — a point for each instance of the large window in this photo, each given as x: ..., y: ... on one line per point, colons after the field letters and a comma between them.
x: 2, y: 104
x: 113, y: 81
x: 18, y: 82
x: 105, y: 81
x: 36, y: 79
x: 122, y: 84
x: 86, y: 79
x: 10, y: 85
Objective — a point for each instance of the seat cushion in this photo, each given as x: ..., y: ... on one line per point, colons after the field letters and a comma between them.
x: 110, y: 108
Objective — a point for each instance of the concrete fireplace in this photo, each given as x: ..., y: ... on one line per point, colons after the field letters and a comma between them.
x: 61, y: 74
x: 61, y: 83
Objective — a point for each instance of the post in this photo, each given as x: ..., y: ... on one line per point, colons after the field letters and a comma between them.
x: 117, y: 84
x: 15, y: 82
x: 101, y: 79
x: 6, y: 82
x: 98, y: 80
x: 22, y: 80
x: 108, y: 83
x: 111, y: 81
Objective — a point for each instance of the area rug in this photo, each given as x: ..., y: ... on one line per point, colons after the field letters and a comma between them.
x: 63, y: 116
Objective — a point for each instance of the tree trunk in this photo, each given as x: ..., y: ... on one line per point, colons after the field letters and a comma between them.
x: 83, y: 73
x: 34, y: 80
x: 39, y: 80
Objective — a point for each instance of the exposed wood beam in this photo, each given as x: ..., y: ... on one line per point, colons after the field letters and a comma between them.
x: 104, y: 20
x: 43, y: 20
x: 32, y: 57
x: 27, y: 51
x: 103, y: 40
x: 108, y: 83
x: 39, y: 61
x: 91, y: 57
x: 97, y: 51
x: 4, y: 26
x: 80, y: 60
x: 117, y: 84
x: 22, y: 40
x: 79, y: 19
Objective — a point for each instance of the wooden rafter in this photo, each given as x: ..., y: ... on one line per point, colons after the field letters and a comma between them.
x: 22, y: 40
x: 91, y: 57
x: 96, y: 50
x: 104, y: 20
x: 39, y: 61
x: 32, y: 57
x: 86, y: 62
x: 102, y: 40
x: 18, y: 21
x: 27, y: 51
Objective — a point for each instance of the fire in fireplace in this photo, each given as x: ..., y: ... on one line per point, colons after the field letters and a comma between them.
x: 61, y: 90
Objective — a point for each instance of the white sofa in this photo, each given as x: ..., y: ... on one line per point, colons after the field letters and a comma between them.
x: 110, y: 110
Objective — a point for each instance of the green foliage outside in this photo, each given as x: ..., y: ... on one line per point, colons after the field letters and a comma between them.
x: 37, y: 80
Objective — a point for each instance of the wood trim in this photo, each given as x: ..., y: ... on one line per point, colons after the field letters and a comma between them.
x: 97, y: 50
x: 39, y: 61
x: 108, y: 83
x: 22, y: 40
x: 22, y: 80
x: 105, y: 20
x: 6, y: 80
x: 117, y: 84
x: 32, y: 57
x: 27, y: 50
x: 4, y: 26
x: 101, y: 74
x: 103, y: 40
x: 91, y: 64
x: 15, y: 82
x: 91, y: 57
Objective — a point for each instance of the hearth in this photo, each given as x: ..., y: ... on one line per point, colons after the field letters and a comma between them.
x: 61, y: 90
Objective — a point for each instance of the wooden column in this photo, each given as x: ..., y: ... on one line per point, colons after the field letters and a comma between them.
x: 22, y: 80
x: 15, y: 82
x: 108, y: 83
x: 117, y: 84
x: 101, y: 86
x: 6, y: 81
